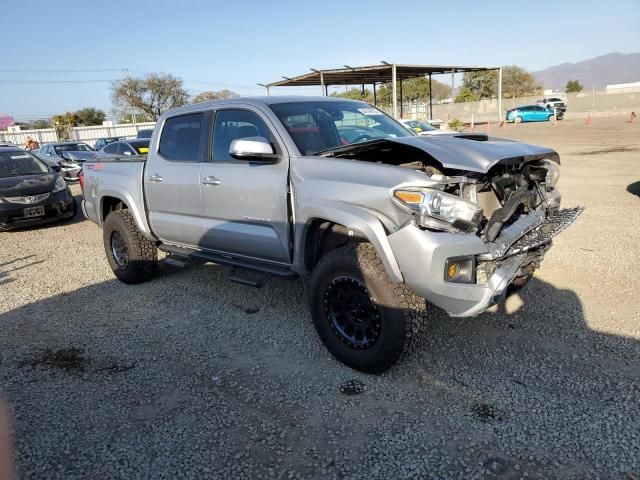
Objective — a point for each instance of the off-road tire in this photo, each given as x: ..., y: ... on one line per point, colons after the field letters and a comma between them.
x: 142, y: 253
x: 402, y: 312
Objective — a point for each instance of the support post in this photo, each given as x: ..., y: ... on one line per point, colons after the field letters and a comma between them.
x: 375, y: 100
x: 363, y: 91
x: 499, y: 94
x: 326, y: 90
x: 430, y: 99
x: 394, y: 92
x: 267, y: 91
x: 323, y: 90
x: 401, y: 100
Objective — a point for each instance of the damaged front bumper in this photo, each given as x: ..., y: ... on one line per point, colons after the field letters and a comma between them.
x: 422, y: 257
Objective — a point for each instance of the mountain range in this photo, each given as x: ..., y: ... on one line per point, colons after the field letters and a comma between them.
x: 599, y: 71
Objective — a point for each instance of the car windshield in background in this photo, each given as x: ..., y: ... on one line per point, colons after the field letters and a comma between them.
x: 419, y: 126
x: 325, y: 125
x: 140, y: 146
x: 13, y: 164
x: 73, y: 147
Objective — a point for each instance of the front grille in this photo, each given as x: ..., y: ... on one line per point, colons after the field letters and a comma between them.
x: 543, y: 234
x: 28, y: 199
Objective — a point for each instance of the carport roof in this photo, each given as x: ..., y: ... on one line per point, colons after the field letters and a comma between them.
x: 371, y: 74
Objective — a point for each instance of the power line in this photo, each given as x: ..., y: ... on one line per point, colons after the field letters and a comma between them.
x: 60, y: 81
x: 64, y: 71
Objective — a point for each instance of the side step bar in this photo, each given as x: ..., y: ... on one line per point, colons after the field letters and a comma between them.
x: 230, y: 260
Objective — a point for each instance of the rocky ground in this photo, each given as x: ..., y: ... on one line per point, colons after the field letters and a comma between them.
x: 192, y: 376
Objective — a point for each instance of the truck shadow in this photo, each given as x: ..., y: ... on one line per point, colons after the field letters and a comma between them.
x: 172, y: 352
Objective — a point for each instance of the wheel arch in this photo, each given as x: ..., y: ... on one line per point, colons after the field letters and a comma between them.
x: 115, y: 199
x: 340, y: 224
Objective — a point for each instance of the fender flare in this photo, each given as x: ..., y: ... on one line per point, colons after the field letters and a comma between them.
x: 351, y: 216
x: 126, y: 198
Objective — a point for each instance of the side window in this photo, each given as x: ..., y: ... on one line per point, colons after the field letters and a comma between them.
x: 112, y: 148
x: 124, y: 148
x: 181, y: 138
x: 233, y: 124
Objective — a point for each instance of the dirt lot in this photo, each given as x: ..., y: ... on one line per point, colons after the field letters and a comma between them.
x: 191, y: 376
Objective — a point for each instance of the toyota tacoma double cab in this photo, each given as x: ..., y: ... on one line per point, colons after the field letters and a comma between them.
x: 384, y: 222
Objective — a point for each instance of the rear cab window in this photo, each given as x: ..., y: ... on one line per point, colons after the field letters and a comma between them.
x: 182, y: 138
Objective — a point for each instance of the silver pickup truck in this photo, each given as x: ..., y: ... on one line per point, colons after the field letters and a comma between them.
x: 383, y: 221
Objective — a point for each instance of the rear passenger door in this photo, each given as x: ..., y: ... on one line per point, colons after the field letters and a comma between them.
x: 245, y: 202
x: 172, y: 180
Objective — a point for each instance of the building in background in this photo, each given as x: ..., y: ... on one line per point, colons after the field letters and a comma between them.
x: 6, y: 121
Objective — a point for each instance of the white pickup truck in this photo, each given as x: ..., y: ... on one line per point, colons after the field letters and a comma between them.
x: 382, y: 220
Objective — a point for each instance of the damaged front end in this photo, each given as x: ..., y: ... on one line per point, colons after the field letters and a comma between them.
x: 476, y: 234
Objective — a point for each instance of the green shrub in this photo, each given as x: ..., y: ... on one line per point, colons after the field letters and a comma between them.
x: 456, y: 124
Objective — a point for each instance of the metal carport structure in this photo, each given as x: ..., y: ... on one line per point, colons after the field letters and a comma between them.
x: 386, y: 72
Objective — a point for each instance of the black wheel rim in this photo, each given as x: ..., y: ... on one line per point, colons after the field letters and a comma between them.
x: 352, y: 315
x: 119, y: 250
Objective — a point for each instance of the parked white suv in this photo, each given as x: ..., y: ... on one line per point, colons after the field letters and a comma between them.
x: 557, y: 101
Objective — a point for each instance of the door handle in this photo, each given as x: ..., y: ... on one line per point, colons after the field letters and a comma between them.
x: 155, y: 178
x: 211, y: 181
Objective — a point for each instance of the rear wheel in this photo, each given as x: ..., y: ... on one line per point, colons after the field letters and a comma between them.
x: 365, y: 321
x: 518, y: 120
x: 132, y: 257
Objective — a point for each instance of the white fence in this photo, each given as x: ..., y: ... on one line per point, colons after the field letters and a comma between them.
x: 43, y: 135
x: 91, y: 134
x: 82, y: 134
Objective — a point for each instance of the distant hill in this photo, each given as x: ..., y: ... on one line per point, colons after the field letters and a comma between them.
x: 598, y: 71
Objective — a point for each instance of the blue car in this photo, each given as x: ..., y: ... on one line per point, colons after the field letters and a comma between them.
x: 532, y: 113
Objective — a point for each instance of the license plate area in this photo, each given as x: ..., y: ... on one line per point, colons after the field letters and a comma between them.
x: 33, y: 212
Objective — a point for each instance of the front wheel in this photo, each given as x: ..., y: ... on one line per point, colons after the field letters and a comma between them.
x: 132, y: 257
x: 518, y: 120
x: 364, y: 320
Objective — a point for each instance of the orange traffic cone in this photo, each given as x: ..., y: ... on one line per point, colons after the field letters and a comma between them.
x: 588, y: 120
x: 488, y: 127
x: 634, y: 118
x: 503, y: 125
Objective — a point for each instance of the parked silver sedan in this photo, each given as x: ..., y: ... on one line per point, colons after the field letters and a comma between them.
x: 135, y: 146
x: 68, y: 156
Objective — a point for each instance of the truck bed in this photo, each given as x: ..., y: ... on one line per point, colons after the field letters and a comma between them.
x: 120, y: 177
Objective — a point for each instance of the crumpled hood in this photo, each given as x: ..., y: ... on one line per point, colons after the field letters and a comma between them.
x: 79, y: 156
x: 469, y: 152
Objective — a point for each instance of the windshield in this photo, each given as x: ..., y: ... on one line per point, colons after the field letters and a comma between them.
x: 320, y: 126
x: 13, y: 164
x: 73, y: 147
x: 140, y: 146
x: 418, y: 126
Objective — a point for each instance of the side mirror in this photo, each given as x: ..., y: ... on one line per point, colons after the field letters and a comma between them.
x: 251, y: 148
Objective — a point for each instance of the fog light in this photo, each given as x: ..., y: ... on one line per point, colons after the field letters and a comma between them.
x: 460, y: 270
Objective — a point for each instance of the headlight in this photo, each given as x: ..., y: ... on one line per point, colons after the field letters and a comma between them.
x: 441, y: 211
x: 553, y: 173
x: 60, y: 185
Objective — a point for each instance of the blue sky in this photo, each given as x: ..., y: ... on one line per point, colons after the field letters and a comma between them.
x: 214, y: 45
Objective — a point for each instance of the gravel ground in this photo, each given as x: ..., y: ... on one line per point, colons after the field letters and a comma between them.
x: 192, y: 376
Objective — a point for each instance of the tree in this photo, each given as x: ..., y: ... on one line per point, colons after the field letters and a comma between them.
x: 211, y: 95
x: 467, y: 95
x: 573, y: 86
x: 90, y: 116
x: 479, y: 85
x: 64, y: 122
x: 133, y: 118
x: 151, y: 95
x: 355, y: 94
x: 516, y: 82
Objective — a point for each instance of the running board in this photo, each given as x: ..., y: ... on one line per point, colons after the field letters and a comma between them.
x: 230, y: 260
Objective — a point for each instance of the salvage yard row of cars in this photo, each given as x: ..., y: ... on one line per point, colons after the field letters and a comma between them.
x: 380, y: 218
x: 33, y: 184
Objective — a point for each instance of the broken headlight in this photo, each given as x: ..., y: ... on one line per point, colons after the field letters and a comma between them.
x: 553, y: 173
x: 441, y: 211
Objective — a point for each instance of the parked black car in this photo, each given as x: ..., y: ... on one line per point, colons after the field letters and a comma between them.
x: 68, y: 155
x: 145, y: 133
x: 102, y: 142
x: 136, y: 146
x: 31, y: 192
